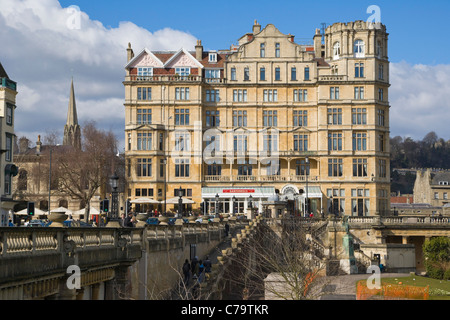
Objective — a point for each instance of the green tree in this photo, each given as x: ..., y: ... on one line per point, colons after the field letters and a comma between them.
x: 437, y: 257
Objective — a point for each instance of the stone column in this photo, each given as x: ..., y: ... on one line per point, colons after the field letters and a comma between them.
x: 96, y: 291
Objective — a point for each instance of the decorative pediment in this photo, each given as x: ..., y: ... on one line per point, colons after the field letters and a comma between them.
x: 145, y: 59
x: 300, y: 129
x: 182, y: 59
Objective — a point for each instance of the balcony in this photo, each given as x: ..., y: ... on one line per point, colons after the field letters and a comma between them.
x: 164, y: 78
x: 274, y: 178
x: 333, y: 78
x: 174, y: 78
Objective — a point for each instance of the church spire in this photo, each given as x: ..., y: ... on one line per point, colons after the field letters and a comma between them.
x: 72, y: 118
x: 72, y: 131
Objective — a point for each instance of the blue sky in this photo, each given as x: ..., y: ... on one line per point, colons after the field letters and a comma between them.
x: 43, y: 52
x: 415, y: 27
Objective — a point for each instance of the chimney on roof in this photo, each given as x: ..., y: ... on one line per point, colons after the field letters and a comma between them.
x: 199, y: 50
x: 291, y: 37
x: 318, y: 43
x: 256, y: 27
x: 38, y: 145
x: 130, y: 53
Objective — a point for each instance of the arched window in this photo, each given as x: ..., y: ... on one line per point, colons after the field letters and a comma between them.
x: 63, y: 203
x: 43, y: 205
x: 336, y: 50
x: 22, y: 184
x: 359, y: 49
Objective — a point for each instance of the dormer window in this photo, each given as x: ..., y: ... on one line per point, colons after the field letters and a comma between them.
x: 443, y: 183
x: 145, y: 71
x: 183, y: 71
x: 212, y: 57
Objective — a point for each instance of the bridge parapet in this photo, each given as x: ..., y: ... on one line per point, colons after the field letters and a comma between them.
x: 399, y: 220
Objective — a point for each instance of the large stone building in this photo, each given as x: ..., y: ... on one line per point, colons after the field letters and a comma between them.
x: 267, y: 117
x: 8, y: 93
x: 432, y: 187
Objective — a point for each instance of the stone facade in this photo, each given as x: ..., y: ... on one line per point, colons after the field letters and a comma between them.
x: 432, y: 187
x: 8, y: 170
x: 312, y: 120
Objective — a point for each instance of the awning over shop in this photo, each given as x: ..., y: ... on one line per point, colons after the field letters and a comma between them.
x: 314, y: 193
x: 238, y: 192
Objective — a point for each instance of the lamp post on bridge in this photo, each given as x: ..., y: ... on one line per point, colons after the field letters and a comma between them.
x: 114, y: 221
x: 307, y: 173
x: 217, y: 205
x: 250, y: 205
x: 180, y: 202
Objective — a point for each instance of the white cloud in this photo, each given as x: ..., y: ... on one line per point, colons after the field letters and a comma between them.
x: 420, y: 100
x: 44, y: 45
x: 42, y: 52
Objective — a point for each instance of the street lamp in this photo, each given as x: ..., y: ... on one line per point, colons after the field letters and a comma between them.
x: 217, y: 207
x: 180, y: 202
x: 307, y: 173
x: 114, y: 213
x: 233, y: 201
x: 165, y: 184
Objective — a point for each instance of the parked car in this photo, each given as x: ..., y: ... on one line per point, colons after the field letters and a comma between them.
x: 205, y: 218
x: 172, y: 221
x: 153, y: 221
x: 72, y: 224
x: 37, y: 223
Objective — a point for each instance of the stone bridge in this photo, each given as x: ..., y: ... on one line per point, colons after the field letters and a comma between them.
x: 112, y: 263
x: 145, y: 263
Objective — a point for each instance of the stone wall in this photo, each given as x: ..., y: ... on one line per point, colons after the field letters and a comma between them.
x: 165, y: 250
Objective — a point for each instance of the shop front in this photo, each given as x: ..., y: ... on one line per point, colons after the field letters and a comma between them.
x: 235, y: 200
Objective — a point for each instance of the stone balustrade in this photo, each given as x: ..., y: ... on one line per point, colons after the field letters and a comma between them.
x: 399, y: 220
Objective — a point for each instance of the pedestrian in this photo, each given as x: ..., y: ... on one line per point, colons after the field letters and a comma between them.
x: 201, y: 268
x: 194, y: 265
x: 128, y: 220
x: 186, y: 271
x: 207, y: 264
x: 227, y: 229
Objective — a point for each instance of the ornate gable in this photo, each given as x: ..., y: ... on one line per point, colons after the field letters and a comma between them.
x: 182, y: 59
x: 145, y: 59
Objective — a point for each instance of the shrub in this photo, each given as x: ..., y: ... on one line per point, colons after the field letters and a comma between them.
x: 447, y: 274
x: 437, y: 257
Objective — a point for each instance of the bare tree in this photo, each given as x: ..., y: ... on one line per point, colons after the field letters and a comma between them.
x: 284, y: 253
x: 81, y: 173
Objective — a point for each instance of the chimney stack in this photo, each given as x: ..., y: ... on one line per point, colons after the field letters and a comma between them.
x: 199, y: 50
x: 256, y: 28
x: 38, y: 145
x: 130, y: 53
x: 318, y: 43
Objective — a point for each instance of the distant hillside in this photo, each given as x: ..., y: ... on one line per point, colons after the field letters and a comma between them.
x: 430, y: 152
